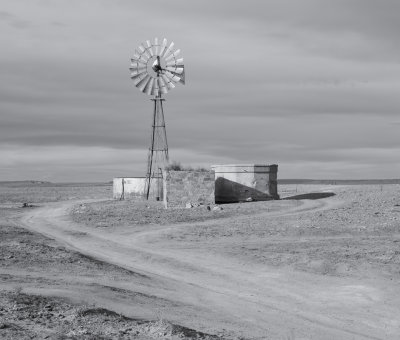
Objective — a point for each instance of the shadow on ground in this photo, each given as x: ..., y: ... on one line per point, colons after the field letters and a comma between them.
x: 310, y: 196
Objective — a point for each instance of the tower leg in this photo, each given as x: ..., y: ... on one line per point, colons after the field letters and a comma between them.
x: 158, y: 150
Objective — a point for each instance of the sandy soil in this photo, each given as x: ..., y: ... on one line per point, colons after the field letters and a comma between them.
x: 290, y: 269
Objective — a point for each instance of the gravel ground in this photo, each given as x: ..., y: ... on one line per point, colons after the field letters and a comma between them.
x: 130, y: 213
x: 25, y: 250
x: 24, y: 316
x: 358, y: 234
x: 31, y: 260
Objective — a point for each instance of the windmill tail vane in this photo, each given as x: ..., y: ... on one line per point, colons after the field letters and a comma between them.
x: 155, y: 70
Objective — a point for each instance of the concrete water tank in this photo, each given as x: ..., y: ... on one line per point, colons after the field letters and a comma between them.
x: 245, y: 182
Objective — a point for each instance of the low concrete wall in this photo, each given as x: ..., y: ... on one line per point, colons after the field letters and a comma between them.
x: 134, y: 187
x: 236, y: 183
x: 182, y: 187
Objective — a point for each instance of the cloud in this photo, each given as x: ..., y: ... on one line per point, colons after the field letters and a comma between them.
x: 14, y: 21
x: 5, y: 15
x: 269, y: 81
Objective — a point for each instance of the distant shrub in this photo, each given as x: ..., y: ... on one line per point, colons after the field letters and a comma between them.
x: 177, y: 166
x: 174, y: 166
x: 202, y: 169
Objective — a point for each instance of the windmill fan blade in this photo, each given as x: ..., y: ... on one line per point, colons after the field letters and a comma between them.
x: 167, y: 79
x: 175, y: 62
x: 173, y: 55
x: 135, y: 73
x: 163, y: 46
x: 168, y: 82
x: 138, y: 68
x: 142, y: 50
x: 138, y: 75
x: 136, y: 64
x: 142, y: 83
x: 156, y: 46
x: 168, y: 50
x: 182, y: 75
x: 172, y: 76
x: 170, y: 86
x: 162, y: 86
x: 137, y: 80
x: 154, y: 88
x: 176, y: 70
x: 145, y: 51
x: 149, y: 47
x: 140, y: 55
x: 138, y: 59
x: 179, y: 61
x: 148, y: 87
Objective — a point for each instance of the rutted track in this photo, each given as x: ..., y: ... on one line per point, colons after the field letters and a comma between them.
x: 254, y: 301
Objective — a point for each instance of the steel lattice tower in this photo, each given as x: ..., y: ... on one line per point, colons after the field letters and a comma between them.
x: 158, y: 150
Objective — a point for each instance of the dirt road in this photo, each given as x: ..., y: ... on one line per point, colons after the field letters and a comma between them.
x: 207, y: 289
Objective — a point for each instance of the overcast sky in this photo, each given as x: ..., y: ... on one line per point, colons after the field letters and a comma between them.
x: 311, y: 85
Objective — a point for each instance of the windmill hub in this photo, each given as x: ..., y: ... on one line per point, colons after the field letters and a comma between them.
x: 157, y: 65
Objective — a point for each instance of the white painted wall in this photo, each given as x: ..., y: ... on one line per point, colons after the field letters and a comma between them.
x: 131, y: 187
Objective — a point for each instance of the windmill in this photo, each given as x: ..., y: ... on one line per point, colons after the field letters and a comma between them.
x: 155, y: 70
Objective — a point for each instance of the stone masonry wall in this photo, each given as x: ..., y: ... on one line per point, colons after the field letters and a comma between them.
x: 182, y: 187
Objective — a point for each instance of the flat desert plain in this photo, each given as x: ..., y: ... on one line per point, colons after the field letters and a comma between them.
x: 77, y: 265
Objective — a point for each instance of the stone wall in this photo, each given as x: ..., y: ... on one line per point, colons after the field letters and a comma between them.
x: 183, y: 187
